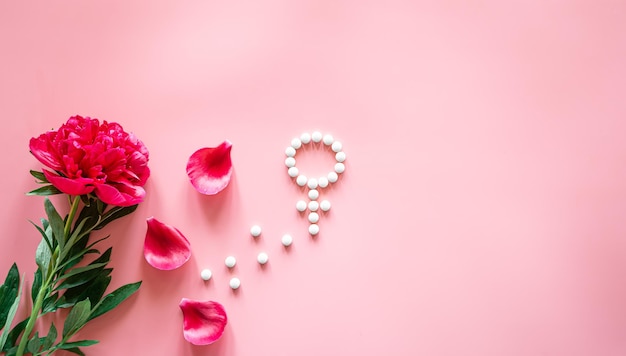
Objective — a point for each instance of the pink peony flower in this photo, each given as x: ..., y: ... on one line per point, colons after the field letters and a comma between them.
x: 209, y: 169
x: 87, y: 156
x: 203, y: 322
x: 165, y: 247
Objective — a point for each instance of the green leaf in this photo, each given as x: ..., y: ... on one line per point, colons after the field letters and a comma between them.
x: 77, y: 270
x: 44, y: 191
x: 76, y: 350
x: 56, y: 223
x: 50, y: 338
x: 43, y: 235
x: 80, y: 279
x: 77, y: 317
x: 43, y: 257
x: 113, y: 299
x: 39, y: 175
x: 34, y: 344
x: 7, y: 324
x: 73, y: 344
x: 115, y: 213
x: 93, y: 291
x: 36, y: 284
x: 8, y: 292
x: 13, y: 335
x: 49, y: 304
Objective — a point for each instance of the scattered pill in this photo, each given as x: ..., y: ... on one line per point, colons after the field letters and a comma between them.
x: 301, y: 180
x: 332, y: 177
x: 314, y: 218
x: 286, y: 240
x: 290, y: 151
x: 314, y: 194
x: 293, y: 172
x: 230, y: 261
x: 255, y: 230
x: 340, y: 156
x: 336, y: 146
x: 235, y: 283
x: 305, y: 137
x: 340, y: 167
x: 325, y: 205
x: 316, y: 136
x: 296, y: 143
x: 262, y: 258
x: 206, y: 274
x: 290, y: 162
x: 328, y: 139
x: 313, y: 205
x: 312, y: 183
x: 314, y: 229
x: 301, y: 205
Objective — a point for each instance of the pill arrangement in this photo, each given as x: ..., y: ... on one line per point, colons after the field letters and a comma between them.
x: 314, y: 206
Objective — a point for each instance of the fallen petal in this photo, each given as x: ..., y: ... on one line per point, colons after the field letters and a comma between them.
x: 165, y: 247
x: 209, y: 169
x: 203, y: 322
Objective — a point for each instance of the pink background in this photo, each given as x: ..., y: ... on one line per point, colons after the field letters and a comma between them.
x: 483, y: 207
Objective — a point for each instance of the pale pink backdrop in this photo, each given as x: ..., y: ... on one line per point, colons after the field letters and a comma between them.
x: 482, y: 212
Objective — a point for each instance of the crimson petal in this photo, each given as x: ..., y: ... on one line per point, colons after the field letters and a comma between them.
x: 165, y: 247
x: 210, y: 168
x: 203, y: 322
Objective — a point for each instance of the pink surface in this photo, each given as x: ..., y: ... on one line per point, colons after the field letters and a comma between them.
x: 483, y: 207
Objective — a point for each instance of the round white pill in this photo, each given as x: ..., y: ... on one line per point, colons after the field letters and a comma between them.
x: 301, y: 180
x: 332, y: 177
x: 262, y: 258
x: 325, y: 205
x: 206, y: 274
x: 255, y: 230
x: 305, y: 137
x: 328, y: 139
x: 293, y: 172
x: 286, y: 240
x: 322, y: 182
x: 296, y: 143
x: 314, y: 229
x: 290, y: 162
x: 314, y: 217
x: 312, y: 183
x: 290, y: 151
x: 314, y: 194
x: 230, y: 261
x: 313, y: 205
x: 301, y: 205
x: 235, y: 283
x: 337, y: 146
x: 340, y: 156
x: 316, y: 136
x: 340, y: 167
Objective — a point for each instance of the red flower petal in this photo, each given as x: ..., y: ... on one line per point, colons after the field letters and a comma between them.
x: 209, y: 169
x: 203, y: 322
x: 77, y: 186
x: 165, y: 247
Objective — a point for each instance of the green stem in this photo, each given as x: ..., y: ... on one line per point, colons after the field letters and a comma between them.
x: 46, y: 283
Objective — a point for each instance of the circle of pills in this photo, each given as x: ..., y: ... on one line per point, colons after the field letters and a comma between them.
x: 314, y: 184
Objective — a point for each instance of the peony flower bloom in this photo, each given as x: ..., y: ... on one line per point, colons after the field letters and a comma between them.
x: 87, y: 156
x: 165, y: 247
x: 210, y: 168
x: 203, y: 322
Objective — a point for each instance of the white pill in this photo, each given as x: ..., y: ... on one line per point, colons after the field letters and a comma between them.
x: 301, y: 180
x: 262, y: 258
x: 325, y: 205
x: 328, y: 139
x: 286, y: 240
x: 293, y: 172
x: 290, y: 162
x: 312, y: 183
x: 230, y: 261
x: 314, y: 217
x: 305, y: 137
x: 206, y: 274
x: 301, y: 205
x: 235, y: 283
x: 314, y: 194
x: 332, y: 177
x: 314, y: 229
x: 255, y: 230
x: 322, y: 182
x: 296, y: 143
x: 290, y: 151
x: 313, y: 205
x: 337, y: 146
x: 340, y: 167
x: 340, y: 156
x: 316, y: 136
